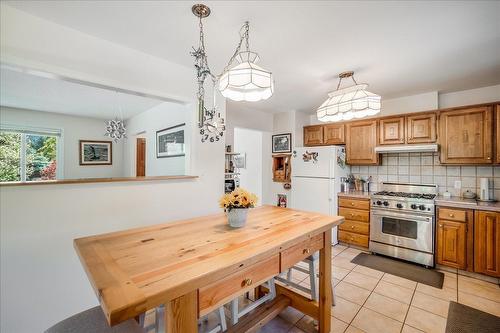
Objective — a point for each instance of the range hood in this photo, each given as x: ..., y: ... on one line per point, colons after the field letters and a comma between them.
x: 425, y: 148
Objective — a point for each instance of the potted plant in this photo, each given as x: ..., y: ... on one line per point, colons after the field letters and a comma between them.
x: 236, y: 205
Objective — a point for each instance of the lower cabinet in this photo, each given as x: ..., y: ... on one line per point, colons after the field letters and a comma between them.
x: 356, y: 228
x: 451, y: 244
x: 454, y: 238
x: 487, y: 243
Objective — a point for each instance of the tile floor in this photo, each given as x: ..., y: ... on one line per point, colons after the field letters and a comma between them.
x: 369, y: 301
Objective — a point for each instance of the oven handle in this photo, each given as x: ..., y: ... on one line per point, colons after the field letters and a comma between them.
x: 407, y: 216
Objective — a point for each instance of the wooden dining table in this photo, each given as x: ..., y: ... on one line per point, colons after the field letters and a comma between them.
x: 194, y: 266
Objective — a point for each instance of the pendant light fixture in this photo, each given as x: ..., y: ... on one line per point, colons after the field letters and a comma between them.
x: 115, y: 128
x: 348, y: 103
x: 245, y: 81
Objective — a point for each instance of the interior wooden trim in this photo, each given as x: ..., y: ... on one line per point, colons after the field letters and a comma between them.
x: 96, y: 180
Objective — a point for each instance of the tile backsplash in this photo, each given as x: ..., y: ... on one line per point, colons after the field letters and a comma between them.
x: 424, y: 168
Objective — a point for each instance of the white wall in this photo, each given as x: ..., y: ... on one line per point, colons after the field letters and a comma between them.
x: 249, y: 142
x: 469, y: 97
x: 74, y: 129
x: 41, y: 279
x: 145, y: 125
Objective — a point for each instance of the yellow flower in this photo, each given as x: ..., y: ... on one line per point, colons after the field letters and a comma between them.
x: 237, y: 199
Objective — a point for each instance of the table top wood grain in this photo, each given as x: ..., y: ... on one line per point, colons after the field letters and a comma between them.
x: 135, y: 270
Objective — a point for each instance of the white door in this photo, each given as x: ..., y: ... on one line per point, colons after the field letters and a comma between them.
x: 319, y: 167
x: 314, y: 195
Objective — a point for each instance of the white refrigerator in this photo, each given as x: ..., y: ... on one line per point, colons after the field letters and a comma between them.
x: 316, y: 173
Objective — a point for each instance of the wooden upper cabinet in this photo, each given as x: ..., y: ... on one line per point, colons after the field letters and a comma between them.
x: 466, y: 136
x: 451, y: 244
x: 313, y: 135
x: 361, y: 139
x: 487, y: 243
x: 497, y: 133
x: 421, y: 128
x: 392, y: 131
x: 333, y: 134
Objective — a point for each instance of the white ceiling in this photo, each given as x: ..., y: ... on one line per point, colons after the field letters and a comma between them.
x: 26, y: 91
x: 399, y: 47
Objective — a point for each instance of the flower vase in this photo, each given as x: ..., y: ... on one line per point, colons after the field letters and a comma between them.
x: 237, y: 217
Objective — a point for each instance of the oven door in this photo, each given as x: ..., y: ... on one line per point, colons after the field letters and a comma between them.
x: 410, y: 231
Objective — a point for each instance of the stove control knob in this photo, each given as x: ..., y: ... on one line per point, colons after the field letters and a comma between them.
x: 413, y: 206
x: 421, y: 207
x: 399, y: 205
x: 386, y: 203
x: 379, y: 202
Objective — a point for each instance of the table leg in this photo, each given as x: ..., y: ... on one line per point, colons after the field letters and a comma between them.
x: 181, y: 314
x: 325, y: 283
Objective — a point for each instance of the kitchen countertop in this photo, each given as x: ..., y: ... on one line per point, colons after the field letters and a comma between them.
x: 355, y: 194
x: 467, y: 203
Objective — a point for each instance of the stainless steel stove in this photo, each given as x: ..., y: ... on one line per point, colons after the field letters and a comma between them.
x: 402, y: 222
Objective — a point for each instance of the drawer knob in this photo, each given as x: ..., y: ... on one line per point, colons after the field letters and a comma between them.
x: 352, y: 227
x: 352, y: 203
x: 247, y: 282
x: 352, y: 238
x: 440, y: 225
x: 306, y: 251
x: 352, y: 214
x: 452, y: 215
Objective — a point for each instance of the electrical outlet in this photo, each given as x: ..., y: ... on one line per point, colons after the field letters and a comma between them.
x: 458, y: 184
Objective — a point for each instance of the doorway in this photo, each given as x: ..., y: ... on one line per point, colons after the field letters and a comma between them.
x: 140, y: 166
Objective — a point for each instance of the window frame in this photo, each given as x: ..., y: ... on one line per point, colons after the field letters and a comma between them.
x: 27, y: 130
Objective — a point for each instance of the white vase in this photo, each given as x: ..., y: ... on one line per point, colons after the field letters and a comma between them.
x: 237, y: 217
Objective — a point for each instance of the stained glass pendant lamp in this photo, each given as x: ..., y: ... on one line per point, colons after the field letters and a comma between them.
x: 243, y: 79
x: 352, y: 102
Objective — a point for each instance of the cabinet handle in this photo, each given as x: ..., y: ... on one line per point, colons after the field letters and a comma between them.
x: 440, y: 225
x: 247, y: 282
x: 306, y: 251
x: 488, y: 158
x: 452, y: 215
x: 352, y: 227
x: 352, y: 203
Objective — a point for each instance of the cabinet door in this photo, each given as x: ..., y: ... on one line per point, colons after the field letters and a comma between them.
x: 392, y: 131
x: 451, y: 244
x: 421, y: 128
x: 497, y: 133
x: 333, y: 134
x: 361, y: 139
x: 487, y: 243
x: 313, y: 135
x: 466, y: 136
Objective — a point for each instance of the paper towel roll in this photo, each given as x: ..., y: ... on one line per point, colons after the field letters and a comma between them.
x: 484, y: 192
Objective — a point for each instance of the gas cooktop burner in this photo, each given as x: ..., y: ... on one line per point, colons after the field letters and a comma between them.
x: 406, y: 195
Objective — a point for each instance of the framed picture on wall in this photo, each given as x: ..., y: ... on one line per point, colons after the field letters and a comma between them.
x: 96, y: 152
x: 170, y: 141
x: 282, y: 143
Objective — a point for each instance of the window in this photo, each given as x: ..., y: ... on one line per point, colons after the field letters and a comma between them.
x: 29, y: 155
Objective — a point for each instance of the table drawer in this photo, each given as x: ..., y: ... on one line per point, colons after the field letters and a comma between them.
x: 354, y: 203
x: 355, y: 226
x: 450, y: 214
x: 296, y: 253
x: 353, y: 238
x: 222, y: 291
x: 355, y: 214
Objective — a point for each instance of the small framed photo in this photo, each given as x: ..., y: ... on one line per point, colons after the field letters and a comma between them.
x: 282, y: 143
x: 170, y: 141
x: 96, y: 152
